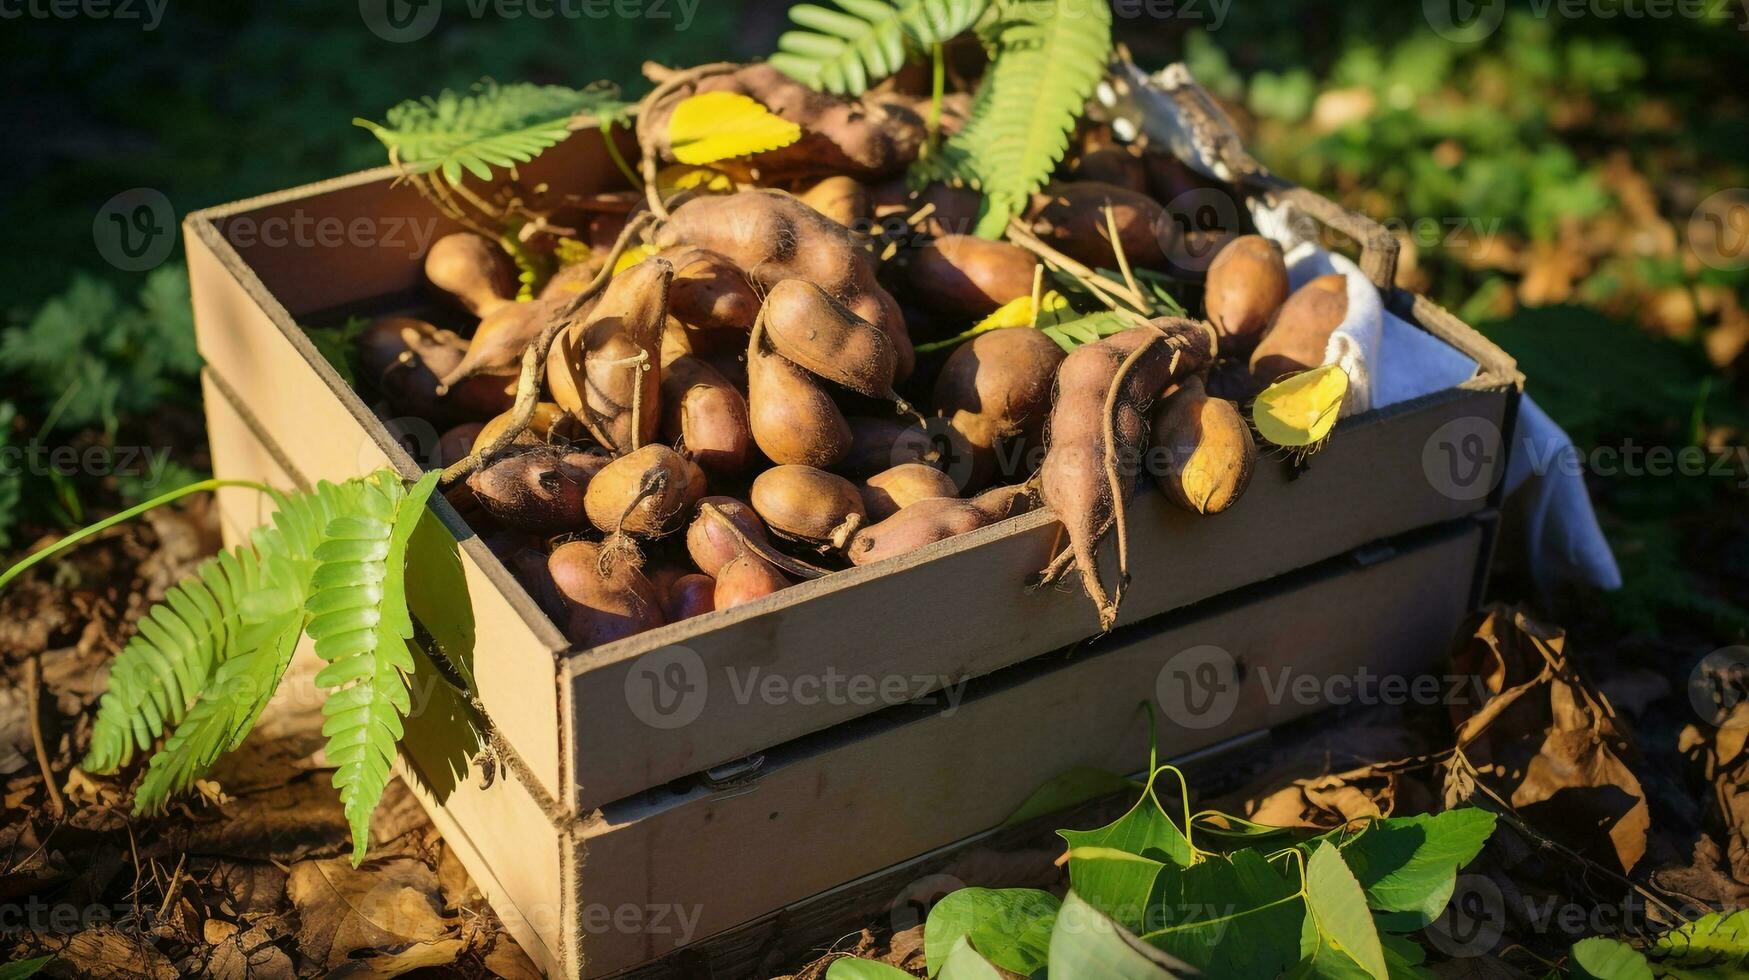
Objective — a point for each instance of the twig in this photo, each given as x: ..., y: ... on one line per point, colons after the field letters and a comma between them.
x: 32, y: 682
x: 647, y: 141
x: 175, y: 886
x: 1020, y: 235
x: 1123, y: 261
x: 534, y: 361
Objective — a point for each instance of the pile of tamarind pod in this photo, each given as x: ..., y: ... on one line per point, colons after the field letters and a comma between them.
x: 741, y: 406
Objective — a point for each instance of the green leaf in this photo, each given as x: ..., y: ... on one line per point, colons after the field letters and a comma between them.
x: 1117, y: 883
x: 1120, y: 888
x: 1068, y: 789
x: 490, y: 126
x: 1050, y: 56
x: 1601, y: 958
x: 181, y: 641
x: 1234, y: 916
x: 339, y: 345
x: 437, y: 595
x: 1010, y: 926
x: 1085, y: 943
x: 1337, y: 937
x: 1410, y: 864
x: 1714, y: 945
x: 864, y: 41
x: 221, y: 717
x: 360, y: 624
x: 963, y: 963
x: 23, y: 969
x: 851, y: 968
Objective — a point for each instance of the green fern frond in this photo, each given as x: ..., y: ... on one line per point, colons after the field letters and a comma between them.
x: 223, y: 713
x: 233, y: 604
x: 491, y: 126
x: 847, y: 50
x: 360, y: 623
x: 1051, y: 55
x: 181, y: 641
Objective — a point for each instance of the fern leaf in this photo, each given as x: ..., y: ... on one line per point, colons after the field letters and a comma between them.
x: 1051, y: 54
x: 490, y: 126
x: 233, y: 604
x: 221, y: 716
x: 360, y: 623
x: 180, y: 642
x: 847, y: 50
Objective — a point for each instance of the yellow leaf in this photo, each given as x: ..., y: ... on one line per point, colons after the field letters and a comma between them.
x: 1300, y: 410
x: 680, y: 177
x: 723, y: 125
x: 632, y: 256
x: 1019, y: 313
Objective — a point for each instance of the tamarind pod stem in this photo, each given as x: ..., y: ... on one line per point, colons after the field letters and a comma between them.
x: 647, y: 140
x: 534, y: 360
x: 794, y: 566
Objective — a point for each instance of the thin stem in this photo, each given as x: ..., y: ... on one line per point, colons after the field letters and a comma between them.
x: 534, y: 360
x: 126, y: 515
x: 937, y: 93
x: 619, y: 159
x: 647, y: 140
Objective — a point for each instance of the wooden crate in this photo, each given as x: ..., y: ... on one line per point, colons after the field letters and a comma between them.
x: 724, y: 860
x: 660, y: 771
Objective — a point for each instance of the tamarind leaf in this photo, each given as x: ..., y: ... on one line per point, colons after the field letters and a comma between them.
x: 680, y: 177
x: 1300, y: 410
x: 847, y: 50
x: 490, y: 126
x: 714, y: 126
x: 1050, y: 56
x: 360, y: 623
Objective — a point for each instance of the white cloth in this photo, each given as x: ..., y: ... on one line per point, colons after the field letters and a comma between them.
x: 1389, y: 361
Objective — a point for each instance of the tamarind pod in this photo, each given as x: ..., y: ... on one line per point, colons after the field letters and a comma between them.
x: 704, y: 413
x: 600, y: 599
x: 473, y: 270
